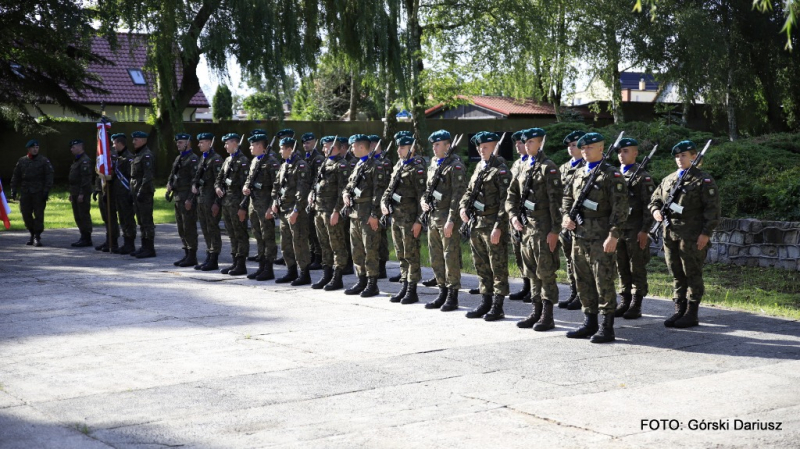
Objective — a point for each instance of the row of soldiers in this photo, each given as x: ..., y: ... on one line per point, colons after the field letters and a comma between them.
x: 341, y: 201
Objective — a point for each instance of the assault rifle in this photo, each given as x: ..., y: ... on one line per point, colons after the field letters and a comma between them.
x: 393, y: 187
x: 639, y: 169
x: 671, y: 205
x: 582, y: 201
x: 176, y: 166
x: 524, y: 204
x: 228, y: 170
x: 359, y: 176
x: 201, y: 171
x: 430, y: 195
x: 473, y: 205
x: 284, y: 180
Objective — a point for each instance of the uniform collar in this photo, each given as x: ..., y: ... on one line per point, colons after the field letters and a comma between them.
x: 575, y: 162
x: 333, y: 158
x: 439, y: 161
x: 625, y: 168
x: 591, y: 165
x: 525, y: 158
x: 290, y: 160
x: 377, y: 155
x: 32, y: 156
x: 186, y: 153
x: 79, y: 156
x: 681, y: 172
x: 207, y: 153
x: 364, y: 158
x: 260, y: 157
x: 235, y: 155
x: 408, y: 161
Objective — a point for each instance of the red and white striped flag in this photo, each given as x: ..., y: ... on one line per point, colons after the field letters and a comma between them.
x: 103, y: 144
x: 5, y: 210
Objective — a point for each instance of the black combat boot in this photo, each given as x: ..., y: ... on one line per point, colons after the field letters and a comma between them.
x: 394, y: 278
x: 496, y: 312
x: 372, y: 288
x: 411, y: 294
x: 240, y: 268
x: 267, y: 274
x: 689, y: 319
x: 212, y: 264
x: 680, y: 309
x: 635, y: 310
x: 533, y: 318
x: 37, y: 240
x: 336, y: 281
x: 129, y: 245
x: 382, y: 270
x: 148, y: 251
x: 573, y: 294
x: 474, y: 291
x: 178, y: 263
x: 291, y: 274
x: 30, y: 241
x: 623, y: 305
x: 575, y: 304
x: 231, y: 266
x: 84, y: 241
x: 304, y: 278
x: 255, y: 258
x: 191, y: 259
x: 588, y: 329
x: 327, y: 275
x: 485, y: 305
x: 526, y: 291
x: 205, y: 262
x: 349, y: 268
x: 261, y: 262
x: 546, y: 322
x: 606, y: 332
x: 103, y: 246
x: 279, y: 261
x: 451, y: 303
x: 316, y: 262
x: 358, y: 287
x: 399, y: 296
x: 430, y: 282
x: 114, y: 246
x: 140, y: 249
x: 439, y: 301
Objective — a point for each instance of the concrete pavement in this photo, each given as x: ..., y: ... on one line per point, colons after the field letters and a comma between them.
x: 102, y: 350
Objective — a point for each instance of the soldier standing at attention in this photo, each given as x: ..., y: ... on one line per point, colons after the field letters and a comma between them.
x: 80, y: 191
x: 516, y: 167
x: 382, y: 158
x: 633, y: 248
x: 102, y: 189
x: 534, y: 203
x: 32, y: 180
x: 350, y: 159
x: 568, y: 170
x: 179, y: 187
x: 228, y: 187
x: 686, y: 241
x: 122, y: 192
x: 207, y: 201
x: 290, y: 195
x: 258, y: 187
x: 444, y: 241
x: 367, y: 184
x: 142, y: 173
x: 329, y: 224
x: 594, y: 244
x: 314, y: 160
x: 488, y: 189
x: 288, y: 132
x: 408, y: 178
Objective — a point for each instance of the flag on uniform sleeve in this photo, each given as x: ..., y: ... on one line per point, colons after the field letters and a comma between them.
x: 103, y: 145
x: 5, y: 210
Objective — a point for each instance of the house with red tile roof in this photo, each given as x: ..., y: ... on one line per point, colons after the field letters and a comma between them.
x: 130, y: 88
x: 492, y: 107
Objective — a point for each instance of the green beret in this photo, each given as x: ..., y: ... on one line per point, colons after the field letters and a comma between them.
x: 626, y: 142
x: 307, y: 137
x: 288, y: 141
x: 486, y: 137
x: 517, y: 136
x: 358, y: 138
x: 139, y: 134
x: 326, y: 139
x: 258, y: 131
x: 374, y: 138
x: 120, y: 136
x: 288, y: 132
x: 404, y: 140
x: 183, y: 136
x: 574, y: 136
x: 682, y: 146
x: 75, y: 142
x: 342, y: 140
x: 590, y: 138
x: 257, y: 138
x: 33, y: 143
x: 205, y: 136
x: 230, y: 136
x: 439, y: 136
x: 400, y: 134
x: 531, y: 133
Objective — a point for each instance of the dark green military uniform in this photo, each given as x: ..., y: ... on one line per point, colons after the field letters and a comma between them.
x: 32, y: 181
x: 142, y: 188
x: 230, y: 180
x: 696, y: 212
x: 290, y: 193
x: 445, y: 252
x: 207, y: 172
x: 80, y: 184
x: 108, y: 209
x: 568, y: 170
x: 183, y: 170
x: 121, y: 188
x: 383, y: 249
x: 333, y: 242
x: 365, y: 204
x: 260, y: 179
x: 314, y: 160
x: 516, y: 244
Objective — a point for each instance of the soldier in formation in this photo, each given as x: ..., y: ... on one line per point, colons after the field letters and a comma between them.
x: 179, y: 189
x: 228, y: 187
x: 32, y: 181
x: 568, y: 170
x: 258, y: 191
x: 80, y: 191
x: 208, y: 203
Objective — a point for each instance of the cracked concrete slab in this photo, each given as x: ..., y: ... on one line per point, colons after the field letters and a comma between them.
x: 102, y: 350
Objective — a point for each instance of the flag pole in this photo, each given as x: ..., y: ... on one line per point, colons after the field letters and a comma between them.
x: 107, y: 185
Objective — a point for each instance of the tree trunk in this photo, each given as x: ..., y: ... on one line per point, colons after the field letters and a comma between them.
x: 733, y: 127
x: 390, y: 114
x: 417, y: 66
x: 613, y: 72
x: 353, y: 96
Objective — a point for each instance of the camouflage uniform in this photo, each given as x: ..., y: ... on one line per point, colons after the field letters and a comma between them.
x: 33, y: 179
x: 332, y: 239
x: 491, y: 261
x: 595, y: 269
x: 383, y: 250
x: 701, y: 212
x: 568, y: 171
x: 207, y: 172
x: 314, y: 160
x: 142, y: 173
x: 517, y: 246
x: 187, y: 163
x: 290, y: 191
x: 261, y: 179
x: 542, y: 205
x: 121, y: 189
x: 445, y: 253
x: 631, y: 258
x: 80, y: 183
x: 231, y: 180
x: 106, y: 206
x: 405, y: 202
x: 365, y: 204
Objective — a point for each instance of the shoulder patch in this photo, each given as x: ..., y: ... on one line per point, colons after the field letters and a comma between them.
x: 707, y: 180
x: 420, y: 172
x: 647, y: 178
x: 342, y: 165
x: 457, y: 167
x: 617, y: 174
x: 553, y: 171
x: 503, y: 172
x: 302, y: 165
x: 619, y: 187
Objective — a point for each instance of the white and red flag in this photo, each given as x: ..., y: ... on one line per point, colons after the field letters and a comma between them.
x: 5, y: 210
x: 104, y: 167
